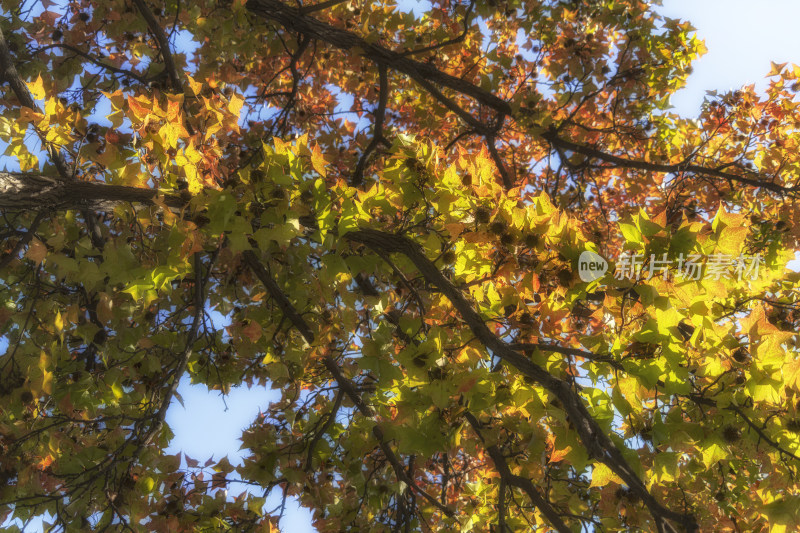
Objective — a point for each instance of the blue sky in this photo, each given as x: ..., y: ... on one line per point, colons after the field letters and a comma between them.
x: 742, y: 38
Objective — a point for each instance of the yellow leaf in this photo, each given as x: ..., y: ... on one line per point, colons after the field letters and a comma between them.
x: 37, y: 88
x: 192, y: 154
x: 193, y: 180
x: 280, y: 146
x: 318, y: 161
x: 776, y: 69
x: 47, y: 376
x: 148, y: 483
x: 116, y: 390
x: 602, y: 476
x: 791, y: 374
x: 235, y: 105
x: 196, y: 87
x: 171, y: 132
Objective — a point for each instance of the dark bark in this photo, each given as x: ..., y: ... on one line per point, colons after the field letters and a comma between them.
x: 32, y: 191
x: 501, y: 465
x: 294, y: 19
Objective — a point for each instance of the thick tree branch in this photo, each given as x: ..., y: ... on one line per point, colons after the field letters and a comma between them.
x: 377, y: 135
x: 294, y: 19
x: 11, y: 76
x: 163, y: 45
x: 322, y: 5
x: 31, y: 190
x: 498, y: 161
x: 520, y: 482
x: 597, y: 443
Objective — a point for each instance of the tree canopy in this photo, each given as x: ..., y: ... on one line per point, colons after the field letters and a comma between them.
x: 384, y: 214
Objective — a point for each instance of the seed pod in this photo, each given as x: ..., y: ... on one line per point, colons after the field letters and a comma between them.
x: 564, y: 277
x: 731, y: 434
x: 741, y: 355
x: 498, y: 227
x: 531, y: 240
x: 482, y: 215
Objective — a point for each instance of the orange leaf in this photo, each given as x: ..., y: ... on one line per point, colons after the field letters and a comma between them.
x: 557, y: 455
x: 36, y: 251
x: 252, y: 331
x: 45, y: 462
x: 467, y: 385
x: 138, y: 110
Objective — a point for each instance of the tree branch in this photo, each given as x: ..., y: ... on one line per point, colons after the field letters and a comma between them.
x: 89, y: 57
x: 344, y: 384
x: 183, y: 358
x: 277, y: 294
x: 31, y: 190
x: 349, y: 389
x: 427, y: 74
x: 11, y: 76
x: 377, y: 135
x: 294, y: 19
x: 597, y: 443
x: 447, y: 42
x: 621, y: 162
x: 23, y: 241
x: 163, y: 45
x: 520, y: 482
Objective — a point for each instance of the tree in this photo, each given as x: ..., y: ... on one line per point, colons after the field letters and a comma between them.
x: 389, y: 209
